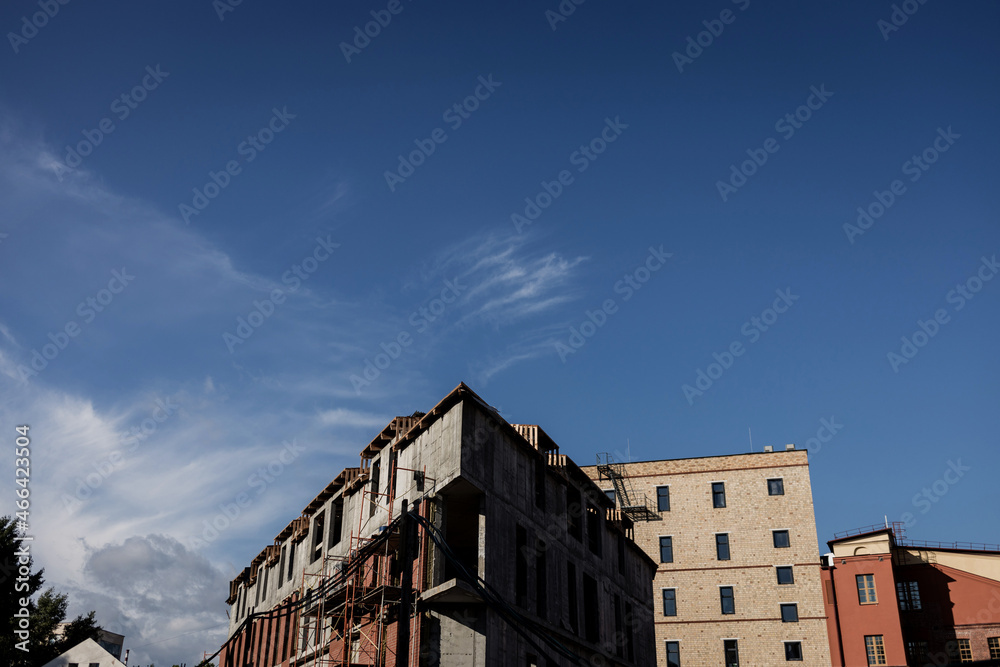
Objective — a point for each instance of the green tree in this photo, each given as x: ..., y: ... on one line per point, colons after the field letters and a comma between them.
x: 44, y: 614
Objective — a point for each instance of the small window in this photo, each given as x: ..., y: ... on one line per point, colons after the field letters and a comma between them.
x: 964, y: 651
x: 780, y: 539
x: 663, y: 499
x: 610, y: 493
x: 993, y: 643
x: 673, y: 654
x: 866, y: 589
x: 666, y: 550
x: 718, y: 494
x: 790, y: 613
x: 732, y: 652
x: 875, y: 649
x: 722, y: 546
x: 917, y: 652
x: 776, y: 487
x: 793, y: 651
x: 785, y: 574
x: 95, y: 664
x: 727, y: 600
x: 908, y: 594
x: 669, y: 601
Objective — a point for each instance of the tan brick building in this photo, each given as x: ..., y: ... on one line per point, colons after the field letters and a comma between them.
x: 738, y: 581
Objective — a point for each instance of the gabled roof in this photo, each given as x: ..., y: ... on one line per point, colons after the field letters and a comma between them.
x: 86, y: 652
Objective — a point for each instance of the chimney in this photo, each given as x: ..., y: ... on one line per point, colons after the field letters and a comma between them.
x: 768, y: 448
x: 789, y: 446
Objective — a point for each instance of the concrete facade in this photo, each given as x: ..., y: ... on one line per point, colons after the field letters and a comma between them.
x: 557, y: 559
x: 703, y: 616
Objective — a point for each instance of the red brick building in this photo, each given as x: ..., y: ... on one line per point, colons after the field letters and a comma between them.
x: 896, y: 602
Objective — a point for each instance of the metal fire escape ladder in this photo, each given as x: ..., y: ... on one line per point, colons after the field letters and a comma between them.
x: 633, y: 505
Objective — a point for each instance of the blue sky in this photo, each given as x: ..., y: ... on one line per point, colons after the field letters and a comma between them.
x: 681, y: 192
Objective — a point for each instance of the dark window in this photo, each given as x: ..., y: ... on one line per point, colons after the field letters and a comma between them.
x: 540, y: 482
x: 291, y: 560
x: 666, y: 550
x: 726, y: 597
x: 267, y: 573
x: 785, y: 575
x: 621, y: 554
x: 780, y: 538
x: 337, y: 527
x: 281, y: 567
x: 789, y: 613
x: 610, y: 493
x: 574, y: 510
x: 673, y: 654
x: 541, y: 582
x: 718, y: 494
x: 375, y: 474
x: 629, y: 633
x: 776, y: 487
x: 793, y: 650
x: 591, y: 624
x: 732, y: 651
x: 594, y: 537
x: 521, y: 568
x: 669, y: 601
x: 318, y: 523
x: 574, y: 616
x: 663, y: 498
x: 619, y: 623
x: 909, y: 595
x: 722, y: 546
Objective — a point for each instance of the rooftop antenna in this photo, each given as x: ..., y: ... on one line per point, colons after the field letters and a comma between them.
x: 628, y: 447
x: 751, y: 438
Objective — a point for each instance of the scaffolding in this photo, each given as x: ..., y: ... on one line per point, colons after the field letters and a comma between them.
x: 633, y: 505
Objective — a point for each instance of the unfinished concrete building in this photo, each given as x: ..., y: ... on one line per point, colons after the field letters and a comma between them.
x: 460, y: 540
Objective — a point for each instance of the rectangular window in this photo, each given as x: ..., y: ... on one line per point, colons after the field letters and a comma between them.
x: 574, y: 615
x: 629, y: 632
x: 291, y: 560
x: 718, y: 494
x: 337, y: 526
x: 866, y: 589
x: 994, y: 645
x: 541, y: 583
x: 793, y: 651
x: 964, y: 651
x: 610, y: 493
x: 375, y: 474
x: 317, y: 542
x: 780, y: 539
x: 732, y: 652
x: 663, y: 498
x: 785, y: 574
x: 621, y: 554
x: 669, y: 601
x: 917, y: 652
x: 591, y: 619
x: 790, y: 613
x: 908, y: 594
x: 666, y: 550
x: 521, y: 566
x: 619, y: 627
x: 540, y: 483
x: 727, y: 600
x: 574, y: 510
x: 722, y: 546
x: 875, y: 649
x: 594, y: 537
x: 776, y: 487
x: 673, y: 654
x: 281, y: 567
